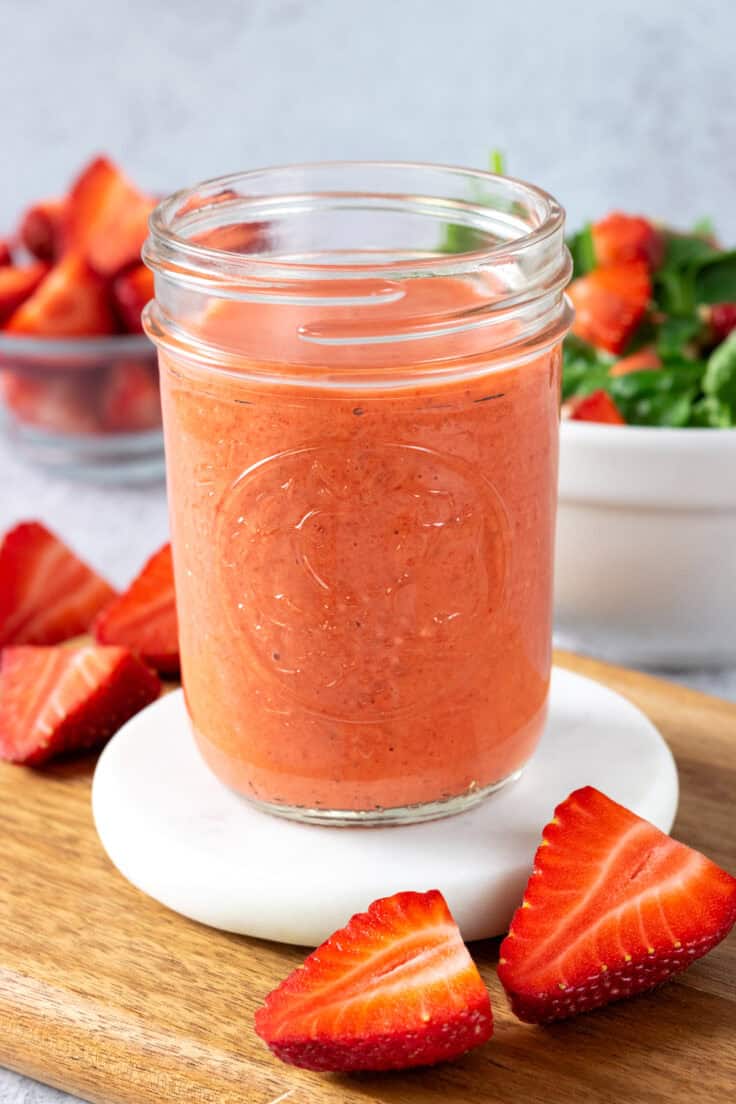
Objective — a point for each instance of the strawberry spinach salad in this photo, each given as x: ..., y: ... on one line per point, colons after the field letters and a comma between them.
x: 654, y: 337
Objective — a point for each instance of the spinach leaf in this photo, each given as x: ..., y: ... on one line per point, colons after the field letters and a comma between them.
x: 584, y: 368
x: 710, y: 413
x: 675, y: 333
x: 663, y: 397
x: 715, y: 279
x: 582, y: 251
x: 683, y: 250
x: 719, y: 380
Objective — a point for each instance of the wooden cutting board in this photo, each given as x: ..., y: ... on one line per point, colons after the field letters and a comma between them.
x: 108, y: 995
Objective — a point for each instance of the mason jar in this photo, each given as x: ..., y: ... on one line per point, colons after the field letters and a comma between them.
x: 360, y: 370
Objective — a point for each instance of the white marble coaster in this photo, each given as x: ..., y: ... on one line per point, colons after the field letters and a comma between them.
x: 182, y: 837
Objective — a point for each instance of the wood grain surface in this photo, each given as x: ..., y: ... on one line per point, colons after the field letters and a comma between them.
x: 108, y: 995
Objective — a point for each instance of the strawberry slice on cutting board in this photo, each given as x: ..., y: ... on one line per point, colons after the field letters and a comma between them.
x: 613, y: 907
x: 143, y: 618
x: 57, y: 700
x: 394, y: 988
x: 47, y: 594
x: 610, y: 303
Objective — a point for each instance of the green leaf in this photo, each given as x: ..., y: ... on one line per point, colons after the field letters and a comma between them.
x: 715, y: 279
x: 682, y: 250
x: 675, y: 333
x: 710, y: 413
x: 704, y: 227
x: 462, y: 239
x: 719, y: 381
x: 584, y: 368
x: 661, y: 410
x: 582, y: 251
x: 496, y: 162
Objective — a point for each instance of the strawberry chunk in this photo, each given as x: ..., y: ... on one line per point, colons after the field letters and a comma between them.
x: 17, y: 283
x: 395, y: 988
x: 6, y: 253
x: 143, y: 619
x: 41, y: 229
x: 63, y: 404
x: 47, y: 594
x: 613, y: 907
x: 620, y: 238
x: 131, y: 291
x: 722, y: 318
x: 107, y: 218
x: 58, y: 700
x: 610, y: 303
x: 71, y: 302
x: 597, y: 407
x: 130, y: 400
x: 646, y: 360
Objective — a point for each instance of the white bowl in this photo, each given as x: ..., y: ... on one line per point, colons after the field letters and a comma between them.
x: 646, y: 544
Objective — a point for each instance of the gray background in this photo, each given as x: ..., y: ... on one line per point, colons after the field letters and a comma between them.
x: 626, y: 103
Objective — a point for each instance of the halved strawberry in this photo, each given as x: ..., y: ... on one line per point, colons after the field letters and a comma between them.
x: 47, y: 594
x: 129, y: 399
x: 722, y: 318
x: 596, y: 407
x: 620, y: 238
x: 613, y: 907
x: 610, y: 303
x: 62, y: 404
x: 72, y: 301
x: 107, y: 217
x: 41, y: 229
x: 144, y: 617
x: 57, y: 700
x: 6, y: 253
x: 646, y: 360
x: 394, y: 988
x: 17, y: 283
x: 131, y: 291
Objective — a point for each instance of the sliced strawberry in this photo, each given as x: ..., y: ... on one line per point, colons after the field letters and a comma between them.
x: 47, y: 594
x: 41, y: 229
x: 722, y: 318
x: 129, y: 399
x: 144, y: 617
x: 394, y: 988
x: 107, y: 217
x: 6, y: 253
x: 597, y: 407
x: 57, y: 700
x: 17, y: 283
x: 71, y: 302
x: 610, y: 303
x: 613, y: 907
x: 646, y: 360
x: 620, y: 238
x: 131, y: 291
x: 63, y: 405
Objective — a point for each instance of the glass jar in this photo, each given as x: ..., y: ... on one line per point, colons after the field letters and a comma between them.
x: 360, y: 369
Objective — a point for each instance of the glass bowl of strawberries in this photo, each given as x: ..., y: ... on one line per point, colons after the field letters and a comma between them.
x: 78, y: 377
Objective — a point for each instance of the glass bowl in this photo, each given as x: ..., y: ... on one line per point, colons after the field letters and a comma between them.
x: 86, y: 407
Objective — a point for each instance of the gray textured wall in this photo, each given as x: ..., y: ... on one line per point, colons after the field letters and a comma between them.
x: 630, y: 103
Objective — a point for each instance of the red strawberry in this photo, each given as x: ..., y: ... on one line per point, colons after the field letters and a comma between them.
x: 17, y: 282
x: 610, y: 303
x: 6, y: 253
x: 613, y: 907
x: 394, y: 988
x: 56, y: 700
x: 597, y: 407
x: 722, y: 317
x: 130, y: 400
x: 107, y: 218
x: 71, y: 302
x: 620, y: 238
x: 63, y: 405
x: 41, y: 229
x: 646, y: 360
x: 131, y: 291
x: 47, y: 594
x: 144, y: 617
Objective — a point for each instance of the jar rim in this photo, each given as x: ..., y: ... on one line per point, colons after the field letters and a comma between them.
x: 168, y: 245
